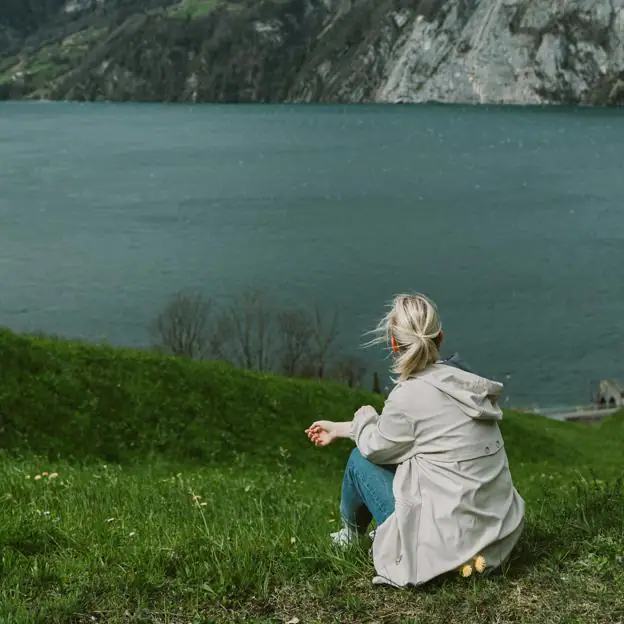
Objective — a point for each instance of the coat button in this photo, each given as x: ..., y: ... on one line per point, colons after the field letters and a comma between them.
x: 487, y: 449
x: 497, y: 443
x: 397, y: 561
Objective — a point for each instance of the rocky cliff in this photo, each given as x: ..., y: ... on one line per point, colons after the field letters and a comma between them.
x: 396, y: 51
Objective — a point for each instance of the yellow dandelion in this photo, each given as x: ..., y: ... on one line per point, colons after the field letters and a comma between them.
x: 203, y: 504
x: 54, y: 475
x: 293, y: 540
x: 196, y: 498
x: 465, y: 570
x: 37, y: 477
x: 44, y: 474
x: 479, y: 564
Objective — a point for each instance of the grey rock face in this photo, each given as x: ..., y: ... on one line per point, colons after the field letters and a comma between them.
x: 494, y: 51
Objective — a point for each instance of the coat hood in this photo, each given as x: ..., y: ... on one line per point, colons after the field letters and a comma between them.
x: 476, y: 396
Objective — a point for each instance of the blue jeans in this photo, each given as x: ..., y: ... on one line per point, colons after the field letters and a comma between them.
x: 366, y: 492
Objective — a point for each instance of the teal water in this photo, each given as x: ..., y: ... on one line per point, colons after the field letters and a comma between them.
x: 512, y: 219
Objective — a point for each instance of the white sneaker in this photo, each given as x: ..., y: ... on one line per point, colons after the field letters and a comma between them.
x: 372, y: 537
x: 347, y: 536
x: 381, y: 580
x: 344, y: 537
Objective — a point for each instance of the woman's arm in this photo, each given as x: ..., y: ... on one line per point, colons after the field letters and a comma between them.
x: 343, y: 429
x: 383, y: 438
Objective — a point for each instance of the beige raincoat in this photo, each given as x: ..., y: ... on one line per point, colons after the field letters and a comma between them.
x: 453, y: 491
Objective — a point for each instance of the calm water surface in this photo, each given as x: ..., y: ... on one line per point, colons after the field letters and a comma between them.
x: 511, y: 219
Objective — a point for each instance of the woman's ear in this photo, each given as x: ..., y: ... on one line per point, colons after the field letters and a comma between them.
x: 441, y: 337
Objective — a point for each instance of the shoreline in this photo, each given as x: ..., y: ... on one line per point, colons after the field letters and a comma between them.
x: 532, y: 106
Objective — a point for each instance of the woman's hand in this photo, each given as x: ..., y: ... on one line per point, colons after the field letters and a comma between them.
x: 322, y: 432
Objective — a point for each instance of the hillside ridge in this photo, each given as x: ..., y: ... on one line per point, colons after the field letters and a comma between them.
x: 335, y: 51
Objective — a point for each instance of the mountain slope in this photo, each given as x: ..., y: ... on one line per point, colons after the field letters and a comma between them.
x: 501, y: 51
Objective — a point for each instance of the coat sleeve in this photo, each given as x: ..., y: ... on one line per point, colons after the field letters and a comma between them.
x: 386, y: 438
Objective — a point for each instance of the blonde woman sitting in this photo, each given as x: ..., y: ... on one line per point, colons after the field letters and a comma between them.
x: 431, y: 470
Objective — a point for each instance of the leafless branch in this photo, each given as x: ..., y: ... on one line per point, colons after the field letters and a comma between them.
x: 247, y: 319
x: 296, y: 330
x: 323, y: 338
x: 182, y: 328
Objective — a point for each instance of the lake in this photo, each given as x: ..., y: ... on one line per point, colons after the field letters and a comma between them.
x: 511, y: 219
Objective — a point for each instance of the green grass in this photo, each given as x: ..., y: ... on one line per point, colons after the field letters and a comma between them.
x: 119, y: 536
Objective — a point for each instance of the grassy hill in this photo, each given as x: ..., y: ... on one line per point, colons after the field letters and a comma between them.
x: 141, y: 488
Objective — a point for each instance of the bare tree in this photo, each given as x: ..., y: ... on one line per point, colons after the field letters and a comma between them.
x: 323, y: 338
x: 182, y: 328
x: 220, y: 338
x: 350, y: 370
x: 296, y: 329
x: 246, y: 326
x: 243, y: 333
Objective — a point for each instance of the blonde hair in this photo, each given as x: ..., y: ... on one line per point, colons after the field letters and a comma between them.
x: 414, y: 322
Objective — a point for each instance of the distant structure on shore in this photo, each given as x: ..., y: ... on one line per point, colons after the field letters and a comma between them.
x: 607, y: 398
x: 609, y: 394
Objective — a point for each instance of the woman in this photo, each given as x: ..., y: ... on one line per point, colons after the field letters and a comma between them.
x: 431, y: 469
